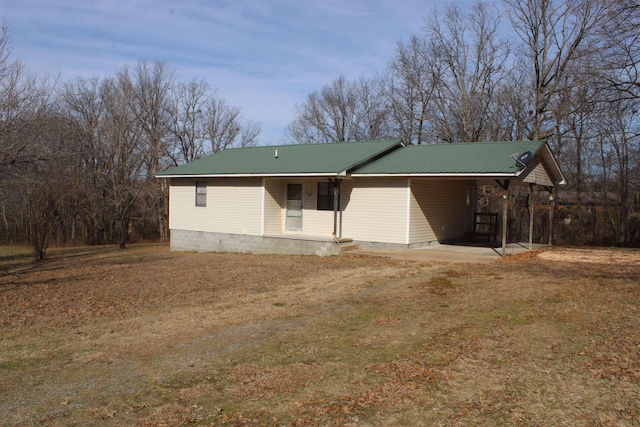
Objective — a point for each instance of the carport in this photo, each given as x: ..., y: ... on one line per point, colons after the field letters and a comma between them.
x: 528, y: 164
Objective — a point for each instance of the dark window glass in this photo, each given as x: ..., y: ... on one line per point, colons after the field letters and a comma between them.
x: 325, y: 196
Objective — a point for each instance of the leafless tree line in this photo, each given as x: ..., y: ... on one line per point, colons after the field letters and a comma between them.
x: 565, y: 71
x: 78, y: 159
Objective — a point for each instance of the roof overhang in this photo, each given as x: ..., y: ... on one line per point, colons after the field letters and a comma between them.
x: 254, y: 175
x: 439, y: 175
x: 551, y: 161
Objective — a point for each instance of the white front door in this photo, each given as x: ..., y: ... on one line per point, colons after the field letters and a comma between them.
x: 293, y: 217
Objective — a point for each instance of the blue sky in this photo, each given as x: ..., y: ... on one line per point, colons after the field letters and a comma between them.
x: 264, y: 56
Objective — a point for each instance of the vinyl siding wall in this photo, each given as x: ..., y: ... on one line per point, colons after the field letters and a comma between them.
x: 375, y: 210
x: 536, y: 173
x: 274, y: 206
x: 233, y: 206
x: 438, y: 210
x: 315, y: 222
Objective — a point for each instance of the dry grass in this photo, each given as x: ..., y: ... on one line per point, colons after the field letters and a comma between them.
x: 145, y: 337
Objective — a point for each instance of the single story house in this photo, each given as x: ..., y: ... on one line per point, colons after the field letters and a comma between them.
x: 320, y: 198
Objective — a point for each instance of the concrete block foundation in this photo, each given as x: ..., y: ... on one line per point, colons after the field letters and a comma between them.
x: 200, y: 241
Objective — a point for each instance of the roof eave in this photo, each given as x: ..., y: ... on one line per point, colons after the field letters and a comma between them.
x: 559, y: 176
x: 250, y: 175
x: 440, y: 175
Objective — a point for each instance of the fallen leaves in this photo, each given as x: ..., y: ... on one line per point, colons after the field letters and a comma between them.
x: 254, y: 383
x: 528, y: 341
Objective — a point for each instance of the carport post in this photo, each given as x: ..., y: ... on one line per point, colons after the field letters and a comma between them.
x: 505, y: 210
x: 551, y: 208
x: 531, y: 214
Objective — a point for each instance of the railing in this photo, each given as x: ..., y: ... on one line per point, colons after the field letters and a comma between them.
x: 485, y: 225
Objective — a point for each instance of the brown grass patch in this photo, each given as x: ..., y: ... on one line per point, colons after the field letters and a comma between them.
x: 172, y: 414
x: 593, y: 256
x: 255, y: 383
x: 438, y: 285
x: 145, y: 337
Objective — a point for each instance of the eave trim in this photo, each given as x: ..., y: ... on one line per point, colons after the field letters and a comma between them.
x: 251, y: 175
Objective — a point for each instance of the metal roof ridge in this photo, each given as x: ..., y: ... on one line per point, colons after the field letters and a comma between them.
x: 397, y: 143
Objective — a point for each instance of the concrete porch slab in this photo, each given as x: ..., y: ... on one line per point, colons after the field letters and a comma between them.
x: 309, y: 237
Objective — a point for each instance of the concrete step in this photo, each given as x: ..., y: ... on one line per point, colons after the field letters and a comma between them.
x: 345, y: 247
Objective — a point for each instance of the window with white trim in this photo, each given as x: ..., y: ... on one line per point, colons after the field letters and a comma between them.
x: 325, y: 197
x: 201, y: 193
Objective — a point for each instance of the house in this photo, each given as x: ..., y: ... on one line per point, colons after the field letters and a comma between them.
x: 319, y: 198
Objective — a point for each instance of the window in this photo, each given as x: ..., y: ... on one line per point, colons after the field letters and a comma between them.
x: 325, y: 196
x: 201, y: 193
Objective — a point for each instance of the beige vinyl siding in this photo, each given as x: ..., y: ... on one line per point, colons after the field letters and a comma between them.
x: 536, y: 173
x: 315, y: 222
x: 375, y: 209
x: 233, y: 206
x: 274, y: 206
x: 437, y: 209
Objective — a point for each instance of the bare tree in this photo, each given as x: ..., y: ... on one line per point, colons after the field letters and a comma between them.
x: 39, y: 211
x: 341, y: 112
x: 618, y: 49
x: 82, y: 104
x: 189, y: 102
x: 620, y: 139
x: 472, y: 60
x: 150, y: 105
x: 410, y: 89
x: 373, y: 112
x: 24, y: 98
x: 203, y: 123
x: 225, y: 128
x: 510, y: 115
x: 327, y: 116
x: 555, y: 34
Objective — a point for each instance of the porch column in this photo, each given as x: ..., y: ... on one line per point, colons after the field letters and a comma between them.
x: 505, y: 211
x: 531, y: 215
x: 336, y: 201
x: 551, y: 208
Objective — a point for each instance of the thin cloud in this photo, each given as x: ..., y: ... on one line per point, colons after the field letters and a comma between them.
x: 264, y: 56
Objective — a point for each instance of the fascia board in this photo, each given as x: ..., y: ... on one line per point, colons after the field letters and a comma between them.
x: 444, y: 175
x: 250, y: 175
x: 549, y: 155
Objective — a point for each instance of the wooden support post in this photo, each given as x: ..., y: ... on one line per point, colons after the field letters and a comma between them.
x: 531, y: 215
x: 551, y: 209
x: 505, y: 211
x: 336, y: 203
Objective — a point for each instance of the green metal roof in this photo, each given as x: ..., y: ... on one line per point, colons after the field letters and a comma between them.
x: 475, y: 158
x: 307, y: 159
x: 371, y: 158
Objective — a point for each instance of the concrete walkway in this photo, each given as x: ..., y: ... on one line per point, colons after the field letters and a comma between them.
x: 462, y: 252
